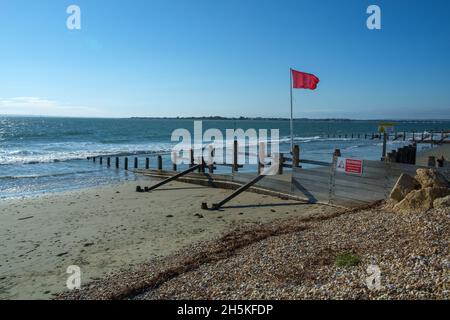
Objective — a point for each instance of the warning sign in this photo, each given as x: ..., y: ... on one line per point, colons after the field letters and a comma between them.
x: 350, y: 166
x: 386, y: 127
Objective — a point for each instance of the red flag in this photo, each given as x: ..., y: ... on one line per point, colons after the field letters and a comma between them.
x: 302, y: 80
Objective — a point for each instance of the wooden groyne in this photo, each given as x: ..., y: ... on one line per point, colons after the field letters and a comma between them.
x: 123, y: 162
x: 403, y: 155
x: 323, y: 183
x: 429, y: 137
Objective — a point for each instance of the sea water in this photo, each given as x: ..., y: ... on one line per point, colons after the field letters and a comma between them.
x: 46, y: 154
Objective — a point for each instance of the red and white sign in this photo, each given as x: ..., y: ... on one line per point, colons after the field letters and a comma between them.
x: 350, y: 166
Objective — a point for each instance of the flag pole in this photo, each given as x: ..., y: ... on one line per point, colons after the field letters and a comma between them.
x: 292, y: 115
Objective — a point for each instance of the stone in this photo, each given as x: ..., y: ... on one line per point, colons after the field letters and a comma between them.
x: 420, y: 200
x: 404, y: 185
x: 442, y: 202
x: 430, y: 178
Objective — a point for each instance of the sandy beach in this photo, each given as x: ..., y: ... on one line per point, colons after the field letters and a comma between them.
x: 112, y: 228
x: 366, y: 253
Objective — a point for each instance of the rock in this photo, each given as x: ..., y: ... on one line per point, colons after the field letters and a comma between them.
x: 430, y: 178
x: 405, y: 184
x: 442, y: 202
x: 421, y: 200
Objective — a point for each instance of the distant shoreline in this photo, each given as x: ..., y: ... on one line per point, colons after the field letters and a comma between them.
x: 285, y: 119
x: 232, y: 118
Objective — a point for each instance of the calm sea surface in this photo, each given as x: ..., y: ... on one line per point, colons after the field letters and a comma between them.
x: 40, y: 154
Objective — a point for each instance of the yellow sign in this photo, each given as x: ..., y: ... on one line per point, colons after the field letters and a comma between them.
x: 386, y: 127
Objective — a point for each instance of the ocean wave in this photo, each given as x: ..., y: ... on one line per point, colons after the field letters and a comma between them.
x: 35, y: 176
x: 47, y: 155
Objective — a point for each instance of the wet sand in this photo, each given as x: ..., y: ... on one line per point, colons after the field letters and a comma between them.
x: 112, y: 228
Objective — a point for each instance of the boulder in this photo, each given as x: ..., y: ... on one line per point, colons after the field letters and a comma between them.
x: 442, y: 202
x: 405, y: 184
x: 421, y: 200
x: 430, y: 178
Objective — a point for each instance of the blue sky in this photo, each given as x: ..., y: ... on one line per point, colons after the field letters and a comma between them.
x: 228, y: 58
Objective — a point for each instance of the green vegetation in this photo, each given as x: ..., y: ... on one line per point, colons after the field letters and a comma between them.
x: 347, y: 259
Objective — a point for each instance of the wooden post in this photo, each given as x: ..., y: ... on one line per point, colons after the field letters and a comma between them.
x: 296, y: 156
x: 136, y: 162
x: 389, y: 157
x: 408, y: 154
x: 404, y: 155
x: 117, y: 162
x: 431, y: 161
x: 201, y: 163
x: 331, y: 191
x: 191, y: 152
x: 398, y: 156
x: 413, y: 136
x: 404, y: 135
x: 337, y: 153
x: 412, y: 154
x: 174, y: 161
x: 440, y: 161
x: 394, y: 156
x: 159, y: 162
x: 108, y: 162
x: 201, y: 168
x: 261, y: 157
x: 211, y: 153
x: 407, y: 151
x: 235, y: 156
x: 211, y: 168
x: 280, y: 163
x: 126, y: 163
x: 147, y: 163
x: 93, y: 159
x: 383, y: 155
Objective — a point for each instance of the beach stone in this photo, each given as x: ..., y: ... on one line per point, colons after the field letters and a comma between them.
x: 420, y: 200
x: 405, y: 184
x: 430, y: 178
x: 442, y: 202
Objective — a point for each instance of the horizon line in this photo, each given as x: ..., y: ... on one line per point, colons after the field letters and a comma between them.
x: 223, y: 118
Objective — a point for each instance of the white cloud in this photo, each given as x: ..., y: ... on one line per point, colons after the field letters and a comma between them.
x: 42, y: 106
